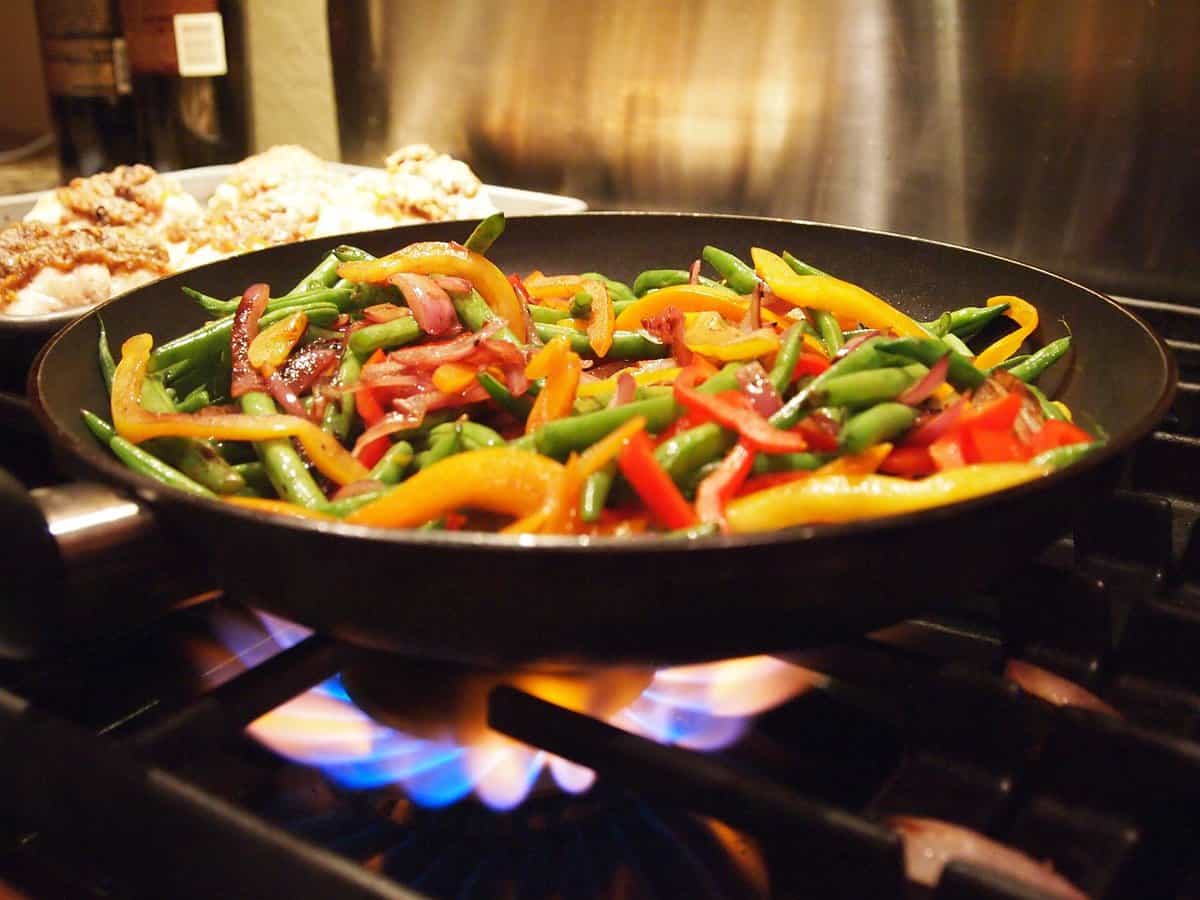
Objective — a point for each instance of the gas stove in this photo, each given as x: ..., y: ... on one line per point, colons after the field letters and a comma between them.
x: 215, y: 751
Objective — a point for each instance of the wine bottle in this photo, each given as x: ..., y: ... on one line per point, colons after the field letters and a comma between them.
x: 186, y: 58
x: 87, y: 78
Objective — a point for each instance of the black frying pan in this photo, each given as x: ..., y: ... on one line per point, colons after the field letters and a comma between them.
x: 488, y: 598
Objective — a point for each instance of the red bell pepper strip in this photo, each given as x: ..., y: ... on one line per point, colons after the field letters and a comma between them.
x: 909, y: 462
x: 720, y: 486
x: 653, y: 484
x: 1055, y: 433
x: 997, y: 415
x: 371, y: 411
x: 947, y: 452
x: 989, y: 445
x: 755, y: 430
x: 809, y: 364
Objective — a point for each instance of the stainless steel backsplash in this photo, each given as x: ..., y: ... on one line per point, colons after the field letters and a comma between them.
x: 1060, y: 133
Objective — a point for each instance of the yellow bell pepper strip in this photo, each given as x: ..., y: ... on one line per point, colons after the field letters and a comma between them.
x: 453, y: 378
x: 561, y: 368
x: 502, y: 480
x: 445, y: 258
x: 605, y: 387
x: 849, y: 498
x: 1025, y: 315
x: 553, y: 287
x: 687, y: 298
x: 712, y: 336
x: 274, y: 344
x: 603, y: 322
x: 279, y: 507
x: 137, y: 424
x: 843, y: 299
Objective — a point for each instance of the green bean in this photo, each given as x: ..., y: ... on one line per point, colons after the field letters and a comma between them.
x: 625, y: 345
x: 236, y: 452
x: 874, y: 425
x: 1049, y: 410
x: 196, y: 399
x: 705, y: 529
x: 738, y: 276
x: 618, y: 291
x: 485, y: 234
x: 955, y: 343
x: 863, y: 357
x: 656, y: 279
x: 323, y: 276
x: 547, y: 315
x: 1032, y: 368
x: 254, y: 475
x: 343, y: 298
x: 107, y: 365
x: 800, y: 268
x: 445, y: 445
x: 940, y: 326
x: 595, y: 492
x: 346, y: 253
x: 384, y: 336
x: 286, y: 470
x: 862, y: 389
x: 962, y: 372
x: 139, y: 460
x: 341, y: 508
x: 393, y: 464
x: 621, y: 305
x: 518, y: 407
x: 1010, y: 363
x: 474, y: 313
x: 1060, y: 457
x: 474, y: 435
x: 967, y: 322
x: 786, y: 358
x: 339, y: 413
x: 788, y: 462
x: 581, y: 305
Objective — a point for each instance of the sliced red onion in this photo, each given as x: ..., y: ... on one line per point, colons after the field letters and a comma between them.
x: 855, y: 342
x: 932, y: 380
x: 757, y: 385
x: 452, y: 284
x: 385, y: 312
x: 308, y: 364
x: 1053, y: 688
x: 752, y: 321
x: 286, y: 397
x: 694, y: 272
x: 430, y: 304
x: 431, y: 355
x: 389, y: 424
x: 518, y: 285
x: 245, y: 329
x: 667, y: 326
x: 929, y: 844
x: 625, y: 392
x: 933, y: 428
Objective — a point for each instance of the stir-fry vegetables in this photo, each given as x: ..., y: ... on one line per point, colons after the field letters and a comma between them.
x: 430, y: 388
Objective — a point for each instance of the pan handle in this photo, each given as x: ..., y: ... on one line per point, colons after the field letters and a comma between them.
x: 82, y: 560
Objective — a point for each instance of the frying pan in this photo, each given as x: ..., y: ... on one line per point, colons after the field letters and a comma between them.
x: 494, y: 599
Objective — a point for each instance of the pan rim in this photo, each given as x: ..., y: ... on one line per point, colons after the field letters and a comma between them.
x: 151, y: 490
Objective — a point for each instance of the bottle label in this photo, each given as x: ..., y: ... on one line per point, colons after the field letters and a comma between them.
x: 83, y: 67
x: 200, y: 44
x: 174, y: 37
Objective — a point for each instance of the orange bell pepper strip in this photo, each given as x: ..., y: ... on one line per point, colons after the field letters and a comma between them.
x: 137, y: 424
x: 453, y: 378
x: 553, y: 287
x: 1025, y: 315
x: 561, y: 368
x: 841, y: 298
x: 502, y: 480
x: 687, y: 298
x: 603, y: 322
x: 850, y: 498
x: 445, y: 258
